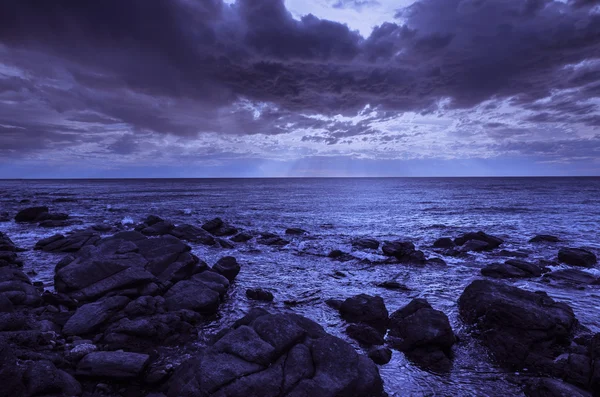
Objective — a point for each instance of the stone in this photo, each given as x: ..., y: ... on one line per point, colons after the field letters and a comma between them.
x: 43, y: 378
x: 31, y: 214
x: 365, y: 334
x: 271, y: 239
x: 219, y: 228
x: 228, y: 267
x: 17, y: 288
x: 544, y: 238
x: 295, y: 231
x: 574, y: 277
x: 277, y: 355
x: 444, y: 242
x: 492, y: 241
x: 380, y: 355
x: 548, y: 387
x: 113, y: 365
x: 241, y: 237
x: 365, y: 243
x: 72, y: 243
x: 158, y: 229
x: 404, y: 251
x: 90, y: 317
x: 259, y: 294
x: 522, y: 329
x: 577, y: 257
x: 513, y: 268
x: 366, y: 309
x: 192, y: 295
x: 193, y: 234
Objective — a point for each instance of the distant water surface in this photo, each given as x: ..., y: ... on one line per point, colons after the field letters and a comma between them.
x: 335, y: 211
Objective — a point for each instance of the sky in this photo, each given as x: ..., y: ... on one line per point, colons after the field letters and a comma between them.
x: 273, y: 88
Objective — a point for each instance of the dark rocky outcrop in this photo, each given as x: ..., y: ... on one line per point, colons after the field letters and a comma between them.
x: 8, y: 252
x: 403, y: 251
x: 380, y: 355
x: 193, y: 234
x: 219, y: 228
x: 32, y: 214
x: 17, y: 288
x: 127, y: 263
x: 577, y: 257
x: 259, y: 294
x: 492, y: 241
x: 522, y: 329
x: 277, y: 355
x: 340, y: 256
x: 91, y: 316
x: 272, y: 240
x: 544, y: 238
x: 365, y: 334
x: 365, y: 309
x: 158, y: 229
x: 71, y: 243
x: 241, y: 237
x: 365, y: 243
x: 42, y: 378
x: 423, y: 334
x: 513, y: 268
x: 548, y: 387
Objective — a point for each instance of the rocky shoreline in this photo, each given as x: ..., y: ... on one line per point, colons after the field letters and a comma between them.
x: 125, y: 302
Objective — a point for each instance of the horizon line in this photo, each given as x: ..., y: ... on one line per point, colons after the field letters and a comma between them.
x: 301, y: 177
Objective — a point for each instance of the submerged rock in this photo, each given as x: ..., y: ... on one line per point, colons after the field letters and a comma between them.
x: 272, y: 240
x: 277, y: 355
x: 219, y: 228
x: 423, y: 334
x: 365, y: 334
x: 340, y: 256
x: 241, y: 237
x: 573, y: 276
x: 259, y: 294
x: 295, y: 231
x: 544, y: 238
x: 444, y: 242
x: 193, y: 234
x: 404, y: 251
x: 577, y: 257
x: 522, y: 329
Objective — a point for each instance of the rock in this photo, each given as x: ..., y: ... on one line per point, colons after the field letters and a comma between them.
x: 42, y: 378
x: 259, y: 294
x: 219, y: 228
x: 228, y: 267
x: 513, y: 254
x: 492, y: 241
x: 6, y: 243
x: 394, y: 285
x: 72, y: 243
x: 366, y: 309
x: 158, y: 229
x: 152, y: 220
x: 46, y: 216
x: 404, y: 251
x: 334, y: 303
x: 547, y: 387
x: 54, y: 223
x: 513, y: 268
x: 277, y: 355
x: 436, y: 262
x: 241, y: 237
x: 80, y: 351
x: 573, y: 276
x: 8, y: 252
x: 225, y: 244
x: 365, y: 334
x: 340, y: 256
x: 577, y: 257
x: 31, y: 214
x: 272, y: 240
x: 444, y: 242
x: 192, y: 295
x: 115, y: 365
x: 380, y: 355
x: 10, y: 374
x: 295, y: 231
x: 90, y: 317
x: 365, y: 243
x: 127, y: 263
x: 423, y: 334
x: 17, y: 288
x: 522, y: 329
x: 474, y: 246
x: 544, y: 238
x: 193, y: 234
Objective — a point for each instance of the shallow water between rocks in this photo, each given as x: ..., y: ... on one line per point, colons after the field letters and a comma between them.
x: 334, y: 212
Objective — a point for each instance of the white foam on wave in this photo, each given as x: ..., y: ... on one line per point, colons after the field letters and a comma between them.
x: 127, y: 221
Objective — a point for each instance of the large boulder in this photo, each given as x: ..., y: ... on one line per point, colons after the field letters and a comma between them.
x: 365, y: 309
x: 404, y: 251
x: 42, y: 378
x: 513, y: 268
x: 492, y: 241
x: 228, y: 267
x: 127, y: 264
x: 577, y: 257
x: 423, y: 334
x: 522, y: 329
x: 271, y: 239
x: 31, y: 214
x: 444, y: 242
x: 574, y: 277
x: 219, y: 228
x: 158, y: 229
x: 8, y: 252
x: 544, y: 238
x: 271, y: 355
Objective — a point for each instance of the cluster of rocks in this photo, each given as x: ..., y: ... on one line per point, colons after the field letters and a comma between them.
x: 8, y: 252
x: 43, y: 217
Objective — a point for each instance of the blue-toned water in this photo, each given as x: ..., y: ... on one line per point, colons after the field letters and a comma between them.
x: 335, y: 211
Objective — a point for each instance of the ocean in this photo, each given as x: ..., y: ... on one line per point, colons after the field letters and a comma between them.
x: 334, y: 212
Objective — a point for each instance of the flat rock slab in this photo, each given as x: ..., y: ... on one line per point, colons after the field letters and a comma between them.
x: 115, y: 365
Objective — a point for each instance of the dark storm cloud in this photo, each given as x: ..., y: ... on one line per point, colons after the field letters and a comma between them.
x: 183, y: 66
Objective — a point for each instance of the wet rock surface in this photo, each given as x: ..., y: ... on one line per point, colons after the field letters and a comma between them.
x: 577, y: 257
